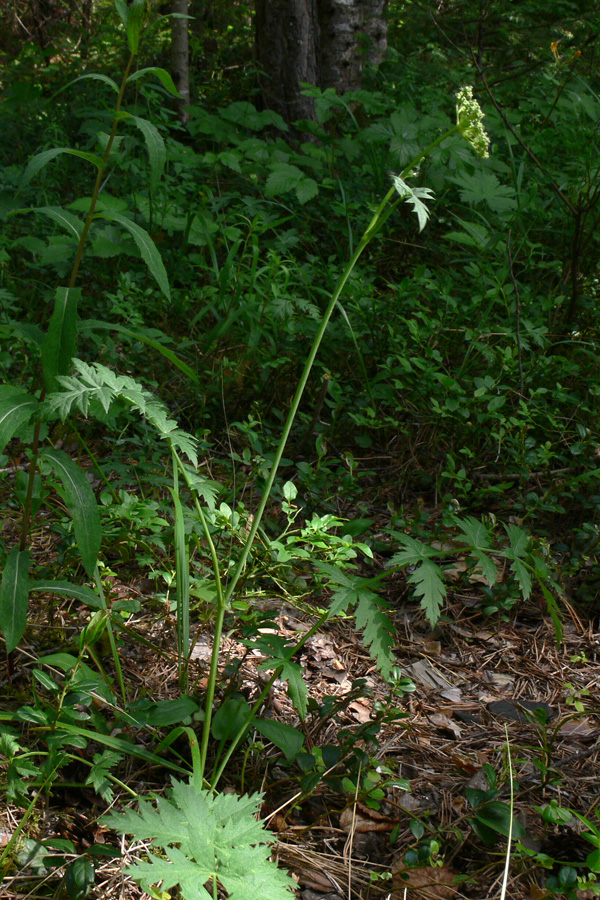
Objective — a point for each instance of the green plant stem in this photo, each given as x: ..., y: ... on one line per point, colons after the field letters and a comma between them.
x: 219, y: 620
x: 381, y: 215
x: 100, y: 174
x: 182, y: 583
x: 258, y: 702
x: 111, y: 635
x: 26, y: 521
x: 15, y: 835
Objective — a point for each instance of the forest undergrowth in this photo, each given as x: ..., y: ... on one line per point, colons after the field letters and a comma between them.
x: 300, y: 450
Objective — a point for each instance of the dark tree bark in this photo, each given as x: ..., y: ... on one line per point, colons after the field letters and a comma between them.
x: 286, y: 40
x: 322, y: 42
x: 180, y: 57
x: 340, y: 22
x: 375, y: 29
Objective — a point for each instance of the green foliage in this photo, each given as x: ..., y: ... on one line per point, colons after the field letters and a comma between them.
x: 458, y: 389
x: 203, y: 838
x: 476, y: 541
x: 97, y: 384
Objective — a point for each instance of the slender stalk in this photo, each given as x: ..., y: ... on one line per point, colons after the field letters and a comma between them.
x: 111, y: 635
x: 258, y: 702
x: 100, y: 174
x: 381, y: 215
x: 26, y: 521
x: 218, y: 628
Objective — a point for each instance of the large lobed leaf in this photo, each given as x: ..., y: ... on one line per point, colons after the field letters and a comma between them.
x: 204, y: 837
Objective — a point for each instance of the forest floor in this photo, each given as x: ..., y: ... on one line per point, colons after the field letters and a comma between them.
x: 478, y: 682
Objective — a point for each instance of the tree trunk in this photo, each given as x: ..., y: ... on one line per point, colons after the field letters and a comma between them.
x: 340, y: 22
x: 322, y: 42
x: 180, y: 57
x: 375, y: 29
x: 286, y: 37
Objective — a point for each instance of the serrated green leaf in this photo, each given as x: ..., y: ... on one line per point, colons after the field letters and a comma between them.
x: 16, y: 408
x: 478, y: 537
x: 66, y: 589
x: 82, y: 505
x: 378, y: 630
x: 204, y: 837
x: 523, y: 576
x: 14, y: 597
x: 519, y: 540
x: 41, y: 159
x: 58, y: 348
x: 146, y: 246
x: 428, y: 579
x: 517, y: 552
x: 162, y: 75
x: 155, y: 145
x: 484, y: 187
x: 306, y: 190
x: 415, y: 197
x: 283, y: 178
x: 413, y: 553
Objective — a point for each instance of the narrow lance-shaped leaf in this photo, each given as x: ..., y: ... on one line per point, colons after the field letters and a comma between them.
x: 82, y: 506
x: 66, y: 589
x: 135, y: 21
x: 147, y: 249
x: 121, y: 8
x: 96, y: 76
x: 67, y: 220
x: 162, y: 75
x: 59, y: 344
x: 93, y: 324
x: 157, y: 154
x: 41, y: 159
x: 16, y: 407
x: 14, y: 597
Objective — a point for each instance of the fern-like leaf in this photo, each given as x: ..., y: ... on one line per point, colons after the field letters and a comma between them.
x: 414, y: 196
x: 97, y: 383
x: 479, y: 538
x: 428, y: 576
x: 517, y: 552
x: 370, y: 616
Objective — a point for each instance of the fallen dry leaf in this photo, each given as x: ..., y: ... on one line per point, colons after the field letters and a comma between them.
x: 578, y: 728
x: 446, y: 724
x: 431, y: 882
x: 365, y: 820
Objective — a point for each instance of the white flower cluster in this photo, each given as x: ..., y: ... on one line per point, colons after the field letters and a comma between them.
x: 469, y: 118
